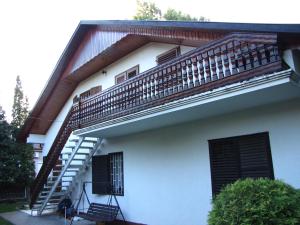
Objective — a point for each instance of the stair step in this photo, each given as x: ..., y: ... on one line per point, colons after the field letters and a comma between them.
x: 53, y: 201
x: 81, y: 147
x: 55, y: 194
x: 75, y: 166
x: 51, y: 206
x: 85, y: 141
x: 77, y: 153
x: 73, y: 169
x: 69, y: 175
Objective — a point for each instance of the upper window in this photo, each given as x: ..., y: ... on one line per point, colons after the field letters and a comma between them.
x: 127, y: 74
x: 167, y: 56
x: 90, y: 92
x: 239, y: 157
x: 107, y: 174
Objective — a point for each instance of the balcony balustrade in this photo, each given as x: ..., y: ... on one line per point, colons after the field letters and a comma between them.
x: 236, y: 57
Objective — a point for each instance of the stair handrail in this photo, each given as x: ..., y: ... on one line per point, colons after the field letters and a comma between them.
x: 52, y: 157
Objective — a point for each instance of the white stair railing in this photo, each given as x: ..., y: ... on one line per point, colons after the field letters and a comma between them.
x: 81, y: 167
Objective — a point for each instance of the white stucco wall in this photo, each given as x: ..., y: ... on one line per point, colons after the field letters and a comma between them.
x: 145, y: 57
x: 167, y: 171
x: 36, y: 138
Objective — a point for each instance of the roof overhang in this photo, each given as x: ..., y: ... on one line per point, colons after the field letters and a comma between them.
x: 61, y: 85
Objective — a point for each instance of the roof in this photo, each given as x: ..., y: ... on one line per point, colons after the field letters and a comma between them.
x: 213, y: 26
x: 60, y: 85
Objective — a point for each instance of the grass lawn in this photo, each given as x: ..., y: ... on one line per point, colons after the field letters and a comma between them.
x: 8, y: 207
x: 4, y: 222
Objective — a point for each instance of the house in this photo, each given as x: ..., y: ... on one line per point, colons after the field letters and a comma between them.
x: 165, y: 113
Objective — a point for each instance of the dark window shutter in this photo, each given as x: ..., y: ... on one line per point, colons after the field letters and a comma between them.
x: 100, y: 175
x: 224, y: 159
x: 255, y: 156
x: 239, y: 157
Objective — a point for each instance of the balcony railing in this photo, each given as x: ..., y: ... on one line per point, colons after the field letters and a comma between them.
x: 234, y: 58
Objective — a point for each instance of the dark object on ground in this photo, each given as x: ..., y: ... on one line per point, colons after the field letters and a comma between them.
x: 65, y: 207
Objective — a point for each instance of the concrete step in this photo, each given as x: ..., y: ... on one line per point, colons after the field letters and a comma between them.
x: 55, y: 194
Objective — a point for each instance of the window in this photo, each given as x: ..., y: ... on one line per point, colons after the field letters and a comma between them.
x: 120, y: 78
x: 167, y: 56
x: 239, y: 157
x: 116, y: 173
x: 90, y: 92
x: 127, y: 74
x: 107, y: 174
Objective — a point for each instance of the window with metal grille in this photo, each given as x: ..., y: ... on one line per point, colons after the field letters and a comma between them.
x: 167, y: 56
x: 107, y: 174
x: 116, y: 173
x: 239, y: 157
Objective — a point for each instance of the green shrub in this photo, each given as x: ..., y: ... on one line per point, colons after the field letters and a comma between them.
x: 256, y: 202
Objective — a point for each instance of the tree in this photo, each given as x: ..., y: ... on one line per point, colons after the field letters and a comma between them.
x: 5, y: 130
x: 147, y: 11
x: 2, y: 114
x: 16, y: 159
x: 172, y: 14
x: 20, y: 107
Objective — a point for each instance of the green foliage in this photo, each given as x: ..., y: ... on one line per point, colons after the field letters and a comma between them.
x: 16, y: 159
x: 2, y: 114
x: 172, y: 14
x: 147, y: 11
x: 20, y: 106
x: 259, y: 202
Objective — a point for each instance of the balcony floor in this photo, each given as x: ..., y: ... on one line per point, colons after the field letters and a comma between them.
x: 263, y: 90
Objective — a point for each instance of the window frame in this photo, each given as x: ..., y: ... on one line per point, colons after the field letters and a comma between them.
x: 107, y: 175
x: 110, y: 155
x: 126, y: 72
x: 178, y: 53
x: 92, y: 91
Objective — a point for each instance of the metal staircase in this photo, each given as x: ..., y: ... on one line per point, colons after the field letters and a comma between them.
x: 73, y: 161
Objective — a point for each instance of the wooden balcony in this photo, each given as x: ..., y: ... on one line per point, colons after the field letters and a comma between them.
x: 234, y: 58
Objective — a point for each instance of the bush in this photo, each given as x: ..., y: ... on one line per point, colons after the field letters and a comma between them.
x: 259, y: 202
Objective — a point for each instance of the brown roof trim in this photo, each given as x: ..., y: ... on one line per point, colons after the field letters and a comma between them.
x: 193, y: 25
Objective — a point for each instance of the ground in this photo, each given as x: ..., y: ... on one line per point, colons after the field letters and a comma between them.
x: 10, y: 212
x: 21, y: 218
